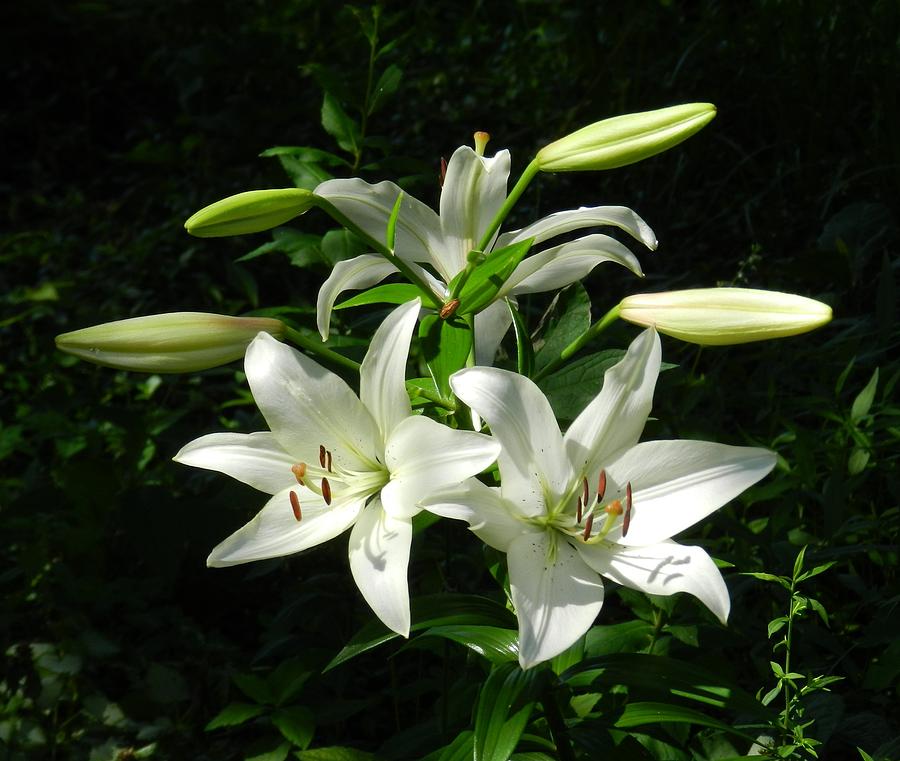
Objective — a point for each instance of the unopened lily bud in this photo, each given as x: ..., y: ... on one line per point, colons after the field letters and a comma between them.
x: 250, y: 212
x: 180, y: 342
x: 624, y: 140
x: 722, y: 316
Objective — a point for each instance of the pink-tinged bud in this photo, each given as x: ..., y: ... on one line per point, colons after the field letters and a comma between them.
x: 250, y: 212
x: 723, y: 316
x: 179, y: 342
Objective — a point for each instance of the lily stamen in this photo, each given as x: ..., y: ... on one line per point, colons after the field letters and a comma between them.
x: 585, y: 493
x: 626, y: 521
x: 601, y: 485
x: 328, y: 461
x: 299, y: 471
x: 578, y: 511
x: 322, y: 452
x: 588, y: 524
x: 295, y: 505
x: 326, y: 491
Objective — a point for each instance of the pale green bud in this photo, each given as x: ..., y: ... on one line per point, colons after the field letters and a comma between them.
x: 625, y: 139
x: 250, y: 212
x: 722, y: 316
x: 179, y: 342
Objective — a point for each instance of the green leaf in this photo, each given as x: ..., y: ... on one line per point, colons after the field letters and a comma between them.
x: 458, y: 750
x: 295, y: 724
x: 500, y: 717
x: 445, y: 347
x: 306, y: 154
x: 524, y: 349
x: 570, y: 388
x: 491, y: 642
x: 286, y: 681
x: 571, y: 318
x: 857, y: 462
x: 234, y: 714
x: 391, y: 293
x: 627, y: 636
x: 301, y: 248
x: 776, y: 625
x: 780, y: 580
x: 338, y: 245
x: 334, y: 753
x: 253, y: 687
x: 771, y: 694
x: 816, y: 571
x: 798, y: 562
x: 391, y: 233
x: 640, y: 714
x: 429, y: 611
x: 279, y: 754
x: 488, y: 277
x: 339, y: 125
x: 386, y: 86
x: 863, y: 402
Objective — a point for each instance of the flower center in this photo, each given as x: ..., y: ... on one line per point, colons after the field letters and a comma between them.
x: 332, y: 482
x: 590, y: 507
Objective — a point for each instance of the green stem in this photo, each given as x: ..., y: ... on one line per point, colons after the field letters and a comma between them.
x: 558, y: 730
x: 431, y: 396
x: 316, y: 347
x: 598, y: 327
x: 332, y: 211
x: 527, y: 176
x: 788, y: 721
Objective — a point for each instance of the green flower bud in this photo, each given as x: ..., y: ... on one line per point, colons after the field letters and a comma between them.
x: 179, y: 342
x: 722, y: 316
x: 625, y: 139
x: 250, y: 212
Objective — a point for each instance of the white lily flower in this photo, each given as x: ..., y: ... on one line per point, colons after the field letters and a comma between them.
x: 332, y: 460
x: 474, y: 190
x: 594, y: 502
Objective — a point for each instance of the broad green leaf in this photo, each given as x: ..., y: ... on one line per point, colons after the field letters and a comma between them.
x: 339, y: 125
x: 391, y: 293
x: 863, y: 402
x: 386, y: 86
x: 798, y: 562
x: 459, y: 750
x: 500, y: 716
x: 334, y: 753
x: 616, y: 638
x: 570, y: 388
x: 816, y: 571
x: 234, y: 714
x: 857, y: 462
x: 483, y: 284
x: 780, y: 580
x: 254, y: 687
x: 306, y: 154
x: 776, y: 625
x: 570, y: 318
x: 295, y: 724
x: 639, y: 714
x: 524, y: 349
x: 445, y: 346
x: 496, y: 644
x: 338, y: 245
x: 278, y: 754
x: 391, y: 233
x: 531, y: 756
x: 306, y: 175
x: 301, y: 248
x: 428, y: 611
x: 286, y: 681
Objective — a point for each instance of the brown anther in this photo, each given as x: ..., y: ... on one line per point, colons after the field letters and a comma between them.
x: 449, y: 309
x: 299, y: 471
x: 601, y: 485
x: 614, y: 508
x: 585, y: 493
x: 588, y: 526
x: 295, y: 504
x: 328, y: 461
x: 626, y: 522
x: 578, y: 511
x: 443, y: 174
x: 326, y: 491
x: 322, y: 455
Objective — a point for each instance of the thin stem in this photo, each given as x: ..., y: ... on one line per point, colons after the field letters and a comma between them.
x: 558, y: 730
x: 787, y: 657
x: 527, y: 176
x: 316, y: 347
x: 594, y: 330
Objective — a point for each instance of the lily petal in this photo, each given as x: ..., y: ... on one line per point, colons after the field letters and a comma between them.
x: 662, y: 569
x: 418, y: 231
x: 556, y: 596
x: 577, y: 219
x: 533, y: 464
x: 307, y: 406
x: 360, y: 272
x: 491, y: 325
x: 382, y: 374
x: 275, y: 531
x: 474, y: 190
x: 422, y: 456
x: 256, y: 459
x: 379, y: 557
x: 677, y: 483
x: 616, y: 416
x: 487, y: 513
x: 561, y: 265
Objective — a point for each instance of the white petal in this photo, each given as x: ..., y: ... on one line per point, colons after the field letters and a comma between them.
x: 577, y: 219
x: 677, y: 483
x: 662, y: 569
x: 275, y: 531
x: 558, y: 266
x: 533, y: 464
x: 382, y: 375
x: 491, y: 325
x: 557, y: 597
x: 489, y: 516
x: 379, y: 557
x: 474, y: 190
x: 423, y: 455
x: 616, y: 416
x: 418, y: 232
x: 359, y: 272
x: 307, y: 406
x: 256, y: 459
